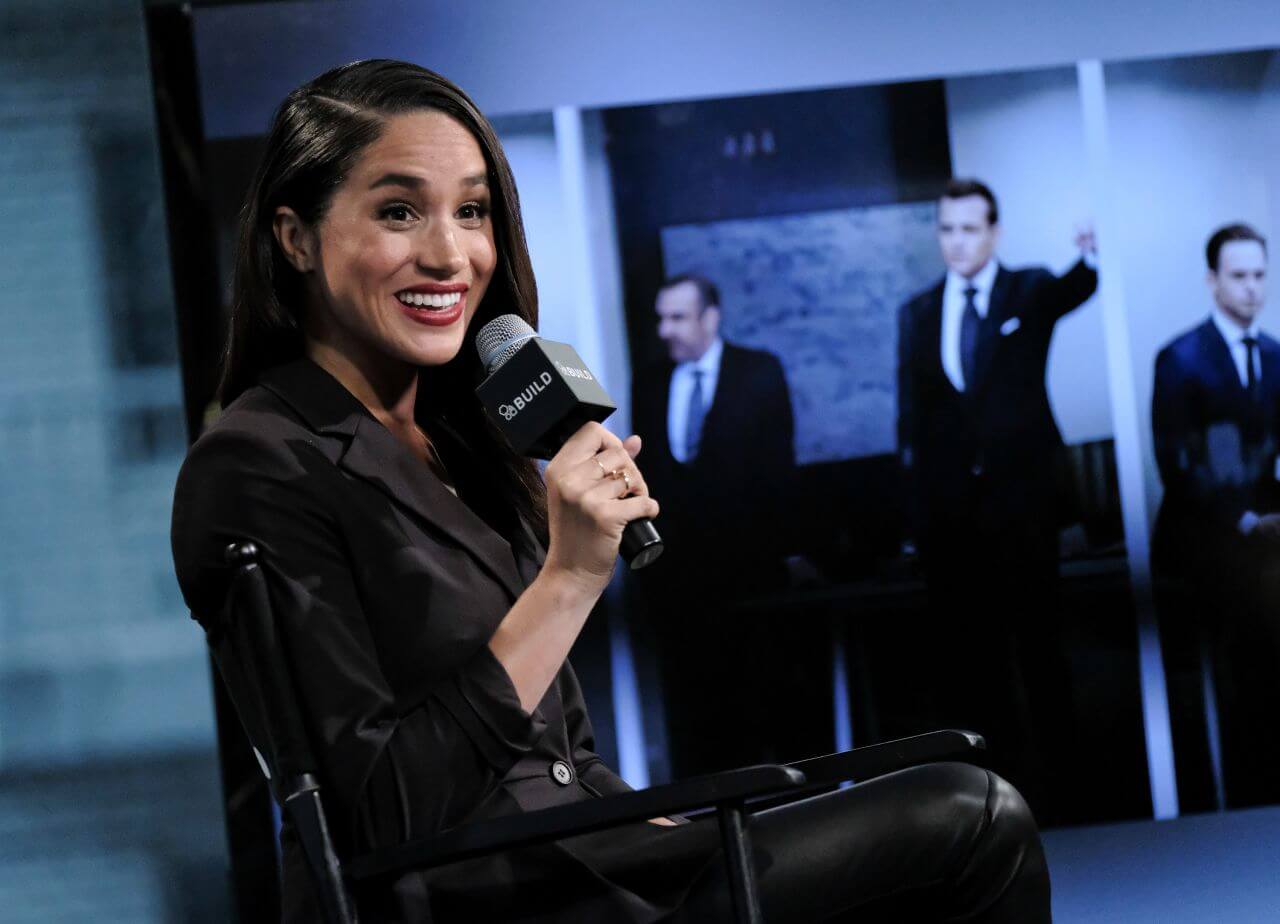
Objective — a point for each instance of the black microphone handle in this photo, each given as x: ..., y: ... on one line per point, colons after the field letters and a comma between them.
x: 641, y: 544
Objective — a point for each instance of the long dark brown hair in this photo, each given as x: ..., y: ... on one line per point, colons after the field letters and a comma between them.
x: 318, y: 134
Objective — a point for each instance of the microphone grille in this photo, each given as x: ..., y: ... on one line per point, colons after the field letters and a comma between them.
x: 499, y: 340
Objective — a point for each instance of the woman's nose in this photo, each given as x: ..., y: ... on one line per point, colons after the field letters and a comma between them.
x: 439, y: 253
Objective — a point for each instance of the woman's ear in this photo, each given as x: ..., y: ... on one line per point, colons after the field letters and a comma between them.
x: 296, y: 238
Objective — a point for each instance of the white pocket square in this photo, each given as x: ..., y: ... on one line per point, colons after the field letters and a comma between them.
x: 1009, y: 326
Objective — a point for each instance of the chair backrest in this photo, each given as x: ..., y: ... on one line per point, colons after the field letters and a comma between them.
x: 247, y: 648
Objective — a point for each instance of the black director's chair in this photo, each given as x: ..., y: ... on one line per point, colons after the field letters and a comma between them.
x: 249, y: 655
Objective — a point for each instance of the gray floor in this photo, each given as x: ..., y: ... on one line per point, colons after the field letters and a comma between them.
x: 1202, y: 868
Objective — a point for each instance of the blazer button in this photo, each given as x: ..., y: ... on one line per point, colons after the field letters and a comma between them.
x: 562, y: 773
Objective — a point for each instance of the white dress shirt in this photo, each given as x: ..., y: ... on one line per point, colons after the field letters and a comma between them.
x: 953, y: 314
x: 1234, y: 335
x: 682, y: 380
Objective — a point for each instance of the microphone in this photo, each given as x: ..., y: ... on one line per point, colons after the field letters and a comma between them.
x: 539, y: 393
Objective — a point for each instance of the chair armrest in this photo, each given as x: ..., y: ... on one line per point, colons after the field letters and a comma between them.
x: 877, y: 759
x: 579, y: 818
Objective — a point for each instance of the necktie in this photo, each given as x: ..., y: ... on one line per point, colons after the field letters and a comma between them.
x: 1250, y: 365
x: 970, y: 326
x: 1254, y: 423
x: 693, y: 420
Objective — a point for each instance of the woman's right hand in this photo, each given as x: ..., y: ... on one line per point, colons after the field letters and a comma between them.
x: 588, y: 505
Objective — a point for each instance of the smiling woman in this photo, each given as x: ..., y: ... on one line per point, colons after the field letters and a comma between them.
x: 428, y: 586
x: 406, y: 235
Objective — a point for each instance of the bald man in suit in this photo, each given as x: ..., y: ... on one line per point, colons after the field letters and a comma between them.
x: 719, y: 443
x: 719, y: 453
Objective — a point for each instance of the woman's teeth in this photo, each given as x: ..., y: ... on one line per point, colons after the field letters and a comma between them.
x: 423, y: 300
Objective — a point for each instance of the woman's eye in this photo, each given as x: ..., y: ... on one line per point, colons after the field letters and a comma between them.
x: 398, y: 212
x: 472, y: 211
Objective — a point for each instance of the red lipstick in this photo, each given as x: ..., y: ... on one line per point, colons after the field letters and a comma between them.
x: 435, y: 317
x: 431, y: 316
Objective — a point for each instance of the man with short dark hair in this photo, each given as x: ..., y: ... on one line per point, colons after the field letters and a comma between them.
x: 983, y: 455
x: 964, y: 187
x: 1215, y: 419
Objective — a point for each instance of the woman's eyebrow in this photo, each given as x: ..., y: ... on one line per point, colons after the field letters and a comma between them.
x: 399, y: 179
x: 417, y: 182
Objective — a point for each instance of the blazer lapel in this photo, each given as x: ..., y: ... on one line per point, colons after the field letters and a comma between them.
x: 374, y: 455
x: 1224, y: 366
x: 726, y: 384
x: 380, y: 459
x: 1269, y: 351
x: 930, y: 337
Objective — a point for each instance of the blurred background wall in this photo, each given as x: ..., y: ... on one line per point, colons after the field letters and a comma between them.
x: 109, y: 802
x: 520, y: 57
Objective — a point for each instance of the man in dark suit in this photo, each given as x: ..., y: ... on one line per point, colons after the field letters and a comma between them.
x: 717, y: 425
x: 718, y: 429
x: 983, y: 455
x: 1215, y: 420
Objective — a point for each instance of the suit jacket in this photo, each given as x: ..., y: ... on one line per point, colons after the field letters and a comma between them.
x: 1215, y: 448
x: 726, y: 511
x: 388, y: 588
x: 986, y: 458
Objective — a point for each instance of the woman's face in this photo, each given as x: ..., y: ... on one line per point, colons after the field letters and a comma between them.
x: 401, y: 260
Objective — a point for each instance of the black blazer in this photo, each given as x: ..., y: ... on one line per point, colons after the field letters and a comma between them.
x: 741, y: 483
x: 389, y: 588
x: 1216, y: 449
x: 998, y: 439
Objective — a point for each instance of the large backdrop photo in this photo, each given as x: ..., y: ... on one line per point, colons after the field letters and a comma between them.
x: 813, y: 221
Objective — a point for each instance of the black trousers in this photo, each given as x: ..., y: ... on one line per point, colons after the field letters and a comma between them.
x: 995, y: 660
x: 1221, y: 618
x: 936, y: 843
x: 943, y: 842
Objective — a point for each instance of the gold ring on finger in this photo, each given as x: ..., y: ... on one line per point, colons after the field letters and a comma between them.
x: 604, y: 473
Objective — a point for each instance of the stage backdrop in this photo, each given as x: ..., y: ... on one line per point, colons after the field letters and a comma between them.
x: 821, y: 292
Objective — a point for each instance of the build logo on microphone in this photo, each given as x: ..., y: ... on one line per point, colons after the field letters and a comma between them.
x: 520, y: 401
x: 574, y: 373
